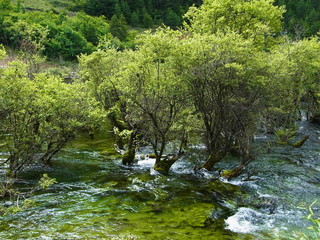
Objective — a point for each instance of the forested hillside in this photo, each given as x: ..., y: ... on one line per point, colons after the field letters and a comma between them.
x: 142, y: 12
x: 302, y: 18
x: 64, y: 29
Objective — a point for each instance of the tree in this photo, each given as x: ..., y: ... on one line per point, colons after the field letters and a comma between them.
x: 91, y: 28
x: 67, y: 44
x: 30, y: 40
x: 226, y: 83
x: 102, y: 72
x: 294, y: 68
x: 6, y: 8
x: 100, y: 7
x: 134, y: 20
x: 147, y: 21
x: 118, y: 27
x: 172, y: 19
x: 157, y: 96
x: 258, y: 19
x: 227, y: 73
x: 40, y: 115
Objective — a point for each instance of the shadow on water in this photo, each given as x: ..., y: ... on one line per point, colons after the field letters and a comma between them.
x: 98, y: 198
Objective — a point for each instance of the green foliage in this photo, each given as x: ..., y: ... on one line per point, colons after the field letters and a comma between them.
x: 172, y: 19
x: 257, y: 20
x: 302, y: 18
x: 313, y: 232
x: 147, y: 21
x: 42, y: 115
x: 2, y: 52
x: 156, y: 89
x: 46, y: 181
x: 91, y: 28
x: 118, y: 27
x: 142, y: 12
x: 285, y: 135
x: 293, y: 70
x: 68, y: 43
x: 134, y: 20
x: 65, y: 37
x: 226, y: 79
x: 101, y: 71
x: 18, y: 207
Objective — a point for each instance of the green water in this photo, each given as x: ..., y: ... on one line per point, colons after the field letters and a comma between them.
x: 98, y: 198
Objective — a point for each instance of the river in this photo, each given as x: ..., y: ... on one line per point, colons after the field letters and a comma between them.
x: 98, y: 198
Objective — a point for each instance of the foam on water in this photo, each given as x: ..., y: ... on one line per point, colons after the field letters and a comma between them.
x: 146, y: 163
x: 247, y: 220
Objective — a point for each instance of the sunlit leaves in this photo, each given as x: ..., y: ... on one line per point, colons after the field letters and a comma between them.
x: 41, y: 115
x: 256, y: 19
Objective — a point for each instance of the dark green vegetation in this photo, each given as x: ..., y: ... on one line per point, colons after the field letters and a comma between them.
x: 58, y: 35
x: 227, y: 75
x: 65, y: 32
x: 143, y: 13
x: 302, y: 18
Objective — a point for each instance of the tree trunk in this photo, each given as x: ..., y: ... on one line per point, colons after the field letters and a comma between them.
x: 163, y: 166
x: 212, y: 160
x: 228, y: 174
x: 130, y: 154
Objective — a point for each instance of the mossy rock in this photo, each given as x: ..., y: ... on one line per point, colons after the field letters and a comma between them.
x: 163, y: 166
x: 299, y: 144
x: 232, y: 173
x: 225, y: 189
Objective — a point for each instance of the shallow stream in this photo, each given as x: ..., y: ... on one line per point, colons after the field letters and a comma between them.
x: 98, y: 198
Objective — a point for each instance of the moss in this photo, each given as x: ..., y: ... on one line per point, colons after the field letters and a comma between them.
x: 115, y: 117
x: 212, y: 160
x: 163, y: 166
x: 299, y: 144
x: 224, y: 189
x: 232, y: 173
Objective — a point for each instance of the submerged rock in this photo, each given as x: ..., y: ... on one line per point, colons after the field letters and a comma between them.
x: 266, y: 205
x: 299, y: 144
x: 8, y: 203
x: 224, y: 189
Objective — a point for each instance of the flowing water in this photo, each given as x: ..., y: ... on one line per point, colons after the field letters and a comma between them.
x: 98, y: 198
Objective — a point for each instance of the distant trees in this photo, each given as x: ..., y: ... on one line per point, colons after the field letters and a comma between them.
x: 142, y: 13
x: 66, y: 36
x: 302, y: 17
x: 118, y: 27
